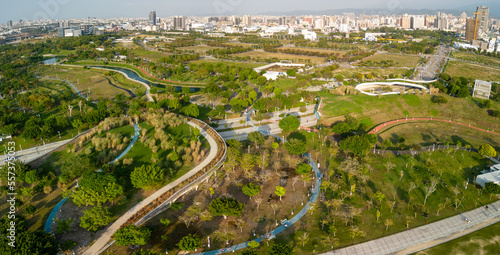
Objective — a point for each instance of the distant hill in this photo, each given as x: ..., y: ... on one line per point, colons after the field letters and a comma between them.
x: 469, y: 9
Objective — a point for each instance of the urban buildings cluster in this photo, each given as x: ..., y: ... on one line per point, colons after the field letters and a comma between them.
x: 479, y: 30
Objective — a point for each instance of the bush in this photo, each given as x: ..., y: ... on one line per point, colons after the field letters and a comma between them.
x: 189, y: 243
x: 177, y: 206
x: 439, y: 100
x: 492, y: 188
x: 30, y: 209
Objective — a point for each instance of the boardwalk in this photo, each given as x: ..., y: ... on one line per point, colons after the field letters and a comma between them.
x: 421, y: 235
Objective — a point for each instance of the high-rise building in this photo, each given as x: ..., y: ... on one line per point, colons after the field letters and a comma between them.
x: 470, y: 29
x: 282, y: 21
x: 478, y: 25
x: 247, y: 20
x: 482, y: 14
x: 64, y: 24
x: 179, y: 22
x: 9, y: 24
x: 152, y: 18
x: 235, y: 20
x: 442, y: 23
x: 417, y: 22
x: 405, y: 22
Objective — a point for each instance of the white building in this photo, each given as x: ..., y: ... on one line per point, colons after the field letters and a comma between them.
x: 417, y: 22
x: 491, y: 175
x: 491, y: 45
x: 309, y: 35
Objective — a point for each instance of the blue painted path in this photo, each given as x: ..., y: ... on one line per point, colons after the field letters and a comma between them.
x: 52, y: 214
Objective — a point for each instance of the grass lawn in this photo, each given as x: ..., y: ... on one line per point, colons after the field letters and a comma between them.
x: 476, y: 58
x: 485, y: 241
x: 198, y: 48
x: 393, y: 107
x: 261, y: 55
x: 151, y: 55
x: 85, y: 80
x: 472, y: 71
x: 227, y: 62
x: 399, y: 60
x: 378, y: 72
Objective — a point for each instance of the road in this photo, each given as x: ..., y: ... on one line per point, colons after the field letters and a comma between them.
x: 432, y: 68
x: 424, y: 234
x: 273, y: 128
x: 104, y: 237
x: 31, y: 154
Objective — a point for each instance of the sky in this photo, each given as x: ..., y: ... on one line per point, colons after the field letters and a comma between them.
x: 66, y: 9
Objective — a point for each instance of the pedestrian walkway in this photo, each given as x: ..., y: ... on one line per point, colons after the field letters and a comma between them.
x: 441, y: 229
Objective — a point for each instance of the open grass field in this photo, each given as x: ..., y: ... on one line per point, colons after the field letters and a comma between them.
x: 340, y: 52
x: 485, y: 241
x: 394, y: 107
x: 151, y: 55
x: 85, y: 80
x: 378, y: 72
x: 472, y: 71
x: 476, y: 58
x: 228, y: 62
x: 399, y: 60
x: 429, y: 133
x: 261, y: 56
x: 201, y: 49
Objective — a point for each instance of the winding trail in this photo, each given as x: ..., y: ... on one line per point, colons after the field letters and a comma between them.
x: 56, y: 79
x: 392, y: 122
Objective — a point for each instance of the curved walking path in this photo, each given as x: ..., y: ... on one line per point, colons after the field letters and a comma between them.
x: 272, y: 234
x: 56, y: 79
x: 392, y: 122
x: 416, y: 239
x: 101, y: 243
x: 50, y: 219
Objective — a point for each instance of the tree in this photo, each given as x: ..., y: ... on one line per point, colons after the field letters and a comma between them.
x: 257, y: 138
x: 295, y: 146
x: 378, y: 214
x: 330, y: 241
x: 251, y: 190
x: 356, y: 232
x: 379, y: 196
x: 357, y: 145
x: 409, y: 220
x: 239, y: 223
x: 191, y: 111
x: 189, y: 243
x: 63, y: 225
x: 165, y: 221
x: 281, y: 249
x: 439, y: 100
x: 95, y: 218
x: 280, y: 191
x: 289, y: 124
x: 303, y: 169
x: 96, y: 188
x: 27, y: 242
x: 291, y: 72
x: 486, y: 104
x: 132, y: 235
x: 303, y: 239
x: 492, y: 188
x: 487, y: 150
x: 147, y: 176
x: 388, y: 223
x: 253, y: 244
x: 226, y: 207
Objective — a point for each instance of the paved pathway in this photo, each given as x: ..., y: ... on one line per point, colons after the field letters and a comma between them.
x: 441, y: 229
x: 101, y: 242
x: 392, y: 122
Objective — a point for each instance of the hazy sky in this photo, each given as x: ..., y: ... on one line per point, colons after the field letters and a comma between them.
x: 65, y: 9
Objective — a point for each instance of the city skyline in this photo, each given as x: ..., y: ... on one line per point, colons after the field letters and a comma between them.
x: 68, y: 9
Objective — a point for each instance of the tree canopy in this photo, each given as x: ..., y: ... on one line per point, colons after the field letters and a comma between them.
x: 251, y: 189
x: 147, y: 176
x: 96, y: 188
x: 289, y: 124
x: 132, y: 235
x: 487, y: 150
x: 357, y: 145
x: 295, y: 146
x: 95, y: 218
x: 189, y: 243
x: 226, y: 207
